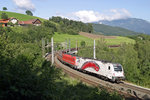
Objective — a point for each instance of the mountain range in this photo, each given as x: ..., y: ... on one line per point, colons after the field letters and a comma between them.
x: 133, y: 24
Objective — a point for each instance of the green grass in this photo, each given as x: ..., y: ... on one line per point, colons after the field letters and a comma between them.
x: 62, y: 37
x: 59, y: 38
x: 21, y: 17
x: 70, y: 80
x: 73, y: 38
x: 118, y: 40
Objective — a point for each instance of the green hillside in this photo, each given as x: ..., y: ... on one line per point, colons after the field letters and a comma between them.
x: 19, y: 16
x: 110, y: 30
x: 61, y: 38
x: 119, y: 40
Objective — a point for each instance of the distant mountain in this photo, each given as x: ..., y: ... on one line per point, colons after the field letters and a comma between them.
x: 134, y: 24
x: 110, y: 30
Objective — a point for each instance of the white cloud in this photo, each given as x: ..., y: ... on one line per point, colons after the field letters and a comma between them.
x: 119, y: 14
x: 93, y: 16
x: 24, y: 4
x: 87, y: 16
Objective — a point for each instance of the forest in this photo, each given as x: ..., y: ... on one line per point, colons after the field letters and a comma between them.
x: 24, y: 73
x: 72, y: 27
x: 135, y: 58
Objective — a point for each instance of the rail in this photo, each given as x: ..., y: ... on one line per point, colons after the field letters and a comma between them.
x: 129, y: 91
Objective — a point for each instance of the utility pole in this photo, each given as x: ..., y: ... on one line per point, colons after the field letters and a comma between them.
x: 66, y: 45
x: 76, y: 45
x: 69, y: 45
x: 52, y: 50
x: 43, y: 47
x: 94, y: 53
x: 47, y: 46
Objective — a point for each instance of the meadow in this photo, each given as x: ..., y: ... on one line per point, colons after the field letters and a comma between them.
x: 19, y: 16
x: 118, y: 40
x: 62, y: 38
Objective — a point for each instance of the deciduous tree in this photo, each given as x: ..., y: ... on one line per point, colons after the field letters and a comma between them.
x: 4, y: 16
x: 28, y: 12
x: 4, y: 8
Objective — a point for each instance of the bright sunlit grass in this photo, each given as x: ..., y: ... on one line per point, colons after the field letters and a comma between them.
x: 118, y: 40
x: 59, y: 38
x: 62, y: 38
x: 21, y: 17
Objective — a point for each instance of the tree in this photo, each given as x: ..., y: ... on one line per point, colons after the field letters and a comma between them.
x: 72, y: 27
x: 28, y: 12
x: 90, y: 27
x: 83, y: 43
x: 22, y: 77
x: 4, y: 16
x: 51, y: 24
x: 4, y: 8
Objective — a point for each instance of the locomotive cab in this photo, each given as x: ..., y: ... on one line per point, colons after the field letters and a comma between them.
x: 118, y: 72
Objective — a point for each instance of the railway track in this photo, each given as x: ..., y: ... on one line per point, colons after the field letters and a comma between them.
x: 129, y: 91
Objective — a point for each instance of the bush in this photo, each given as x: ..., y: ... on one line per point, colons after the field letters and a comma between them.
x: 132, y: 57
x: 72, y: 32
x: 52, y: 25
x: 4, y: 16
x: 82, y: 43
x: 24, y: 74
x: 22, y: 78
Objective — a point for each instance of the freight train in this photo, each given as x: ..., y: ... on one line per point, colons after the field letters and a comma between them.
x: 105, y: 70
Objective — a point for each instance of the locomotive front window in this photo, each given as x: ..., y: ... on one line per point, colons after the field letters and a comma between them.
x: 117, y: 68
x: 108, y: 67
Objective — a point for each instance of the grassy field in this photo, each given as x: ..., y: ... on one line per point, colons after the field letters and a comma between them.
x: 59, y: 38
x: 119, y: 40
x: 21, y: 17
x: 63, y: 37
x: 73, y: 38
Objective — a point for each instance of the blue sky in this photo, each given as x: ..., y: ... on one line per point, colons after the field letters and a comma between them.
x: 83, y: 10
